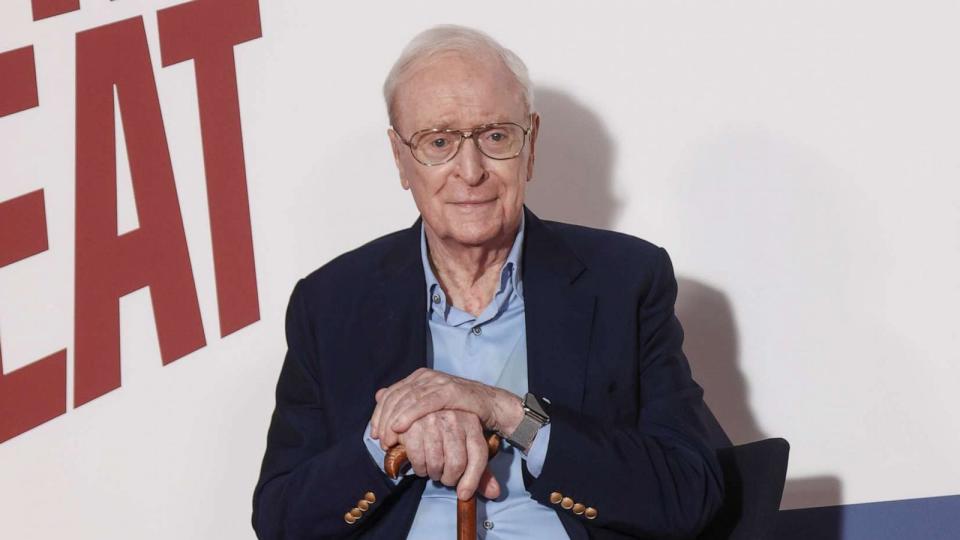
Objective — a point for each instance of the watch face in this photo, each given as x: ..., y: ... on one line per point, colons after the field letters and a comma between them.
x: 533, y: 405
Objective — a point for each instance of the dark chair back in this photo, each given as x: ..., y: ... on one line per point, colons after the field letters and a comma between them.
x: 753, y: 474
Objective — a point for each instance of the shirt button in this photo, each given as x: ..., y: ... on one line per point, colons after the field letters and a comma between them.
x: 487, y: 524
x: 436, y: 299
x: 476, y: 330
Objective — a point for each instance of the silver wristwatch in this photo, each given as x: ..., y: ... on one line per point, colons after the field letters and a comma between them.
x: 534, y: 417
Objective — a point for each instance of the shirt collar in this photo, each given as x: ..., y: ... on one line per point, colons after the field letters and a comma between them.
x: 510, y: 270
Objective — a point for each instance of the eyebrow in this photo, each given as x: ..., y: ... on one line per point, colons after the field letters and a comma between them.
x: 447, y: 124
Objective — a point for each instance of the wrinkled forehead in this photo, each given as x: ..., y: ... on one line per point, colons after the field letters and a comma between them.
x: 456, y: 90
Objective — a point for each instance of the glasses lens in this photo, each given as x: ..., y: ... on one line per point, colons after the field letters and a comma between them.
x: 435, y: 147
x: 501, y: 141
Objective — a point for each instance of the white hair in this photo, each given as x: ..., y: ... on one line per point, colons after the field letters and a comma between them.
x: 453, y: 38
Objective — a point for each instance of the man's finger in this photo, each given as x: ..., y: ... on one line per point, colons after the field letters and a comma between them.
x: 415, y: 407
x: 382, y: 395
x: 388, y: 407
x: 404, y: 398
x: 433, y: 450
x: 413, y: 442
x: 477, y: 453
x: 388, y: 436
x: 377, y: 411
x: 489, y: 486
x: 454, y: 447
x: 384, y: 406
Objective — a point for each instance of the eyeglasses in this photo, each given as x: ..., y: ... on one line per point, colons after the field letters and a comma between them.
x: 499, y: 140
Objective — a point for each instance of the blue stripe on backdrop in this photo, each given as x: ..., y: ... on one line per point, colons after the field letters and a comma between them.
x: 934, y: 518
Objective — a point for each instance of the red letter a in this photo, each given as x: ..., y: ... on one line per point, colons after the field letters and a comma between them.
x: 109, y: 266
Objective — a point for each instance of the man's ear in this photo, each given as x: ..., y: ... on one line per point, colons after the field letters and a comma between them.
x: 534, y: 130
x: 395, y: 146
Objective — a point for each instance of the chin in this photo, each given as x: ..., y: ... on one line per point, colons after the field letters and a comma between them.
x: 474, y: 235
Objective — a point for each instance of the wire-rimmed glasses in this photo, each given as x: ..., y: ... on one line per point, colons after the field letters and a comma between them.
x: 498, y: 140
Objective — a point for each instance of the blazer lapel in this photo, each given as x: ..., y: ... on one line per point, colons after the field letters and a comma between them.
x: 399, y: 309
x: 559, y: 316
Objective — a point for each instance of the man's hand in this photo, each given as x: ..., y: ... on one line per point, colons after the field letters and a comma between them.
x: 426, y: 391
x: 449, y: 447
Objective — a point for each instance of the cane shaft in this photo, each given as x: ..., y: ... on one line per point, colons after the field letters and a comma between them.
x: 467, y: 519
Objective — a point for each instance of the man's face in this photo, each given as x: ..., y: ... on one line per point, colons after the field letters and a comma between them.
x: 472, y: 199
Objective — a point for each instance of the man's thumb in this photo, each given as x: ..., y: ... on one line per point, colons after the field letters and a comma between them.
x: 489, y: 487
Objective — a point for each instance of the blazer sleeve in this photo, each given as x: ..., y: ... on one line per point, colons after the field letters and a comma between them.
x: 657, y: 478
x: 309, y: 480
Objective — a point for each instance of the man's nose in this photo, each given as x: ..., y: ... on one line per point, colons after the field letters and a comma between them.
x: 470, y: 164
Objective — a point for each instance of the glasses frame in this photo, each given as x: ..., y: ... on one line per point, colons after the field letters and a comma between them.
x: 464, y: 134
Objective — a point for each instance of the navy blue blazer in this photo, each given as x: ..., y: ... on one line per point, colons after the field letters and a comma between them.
x: 629, y: 435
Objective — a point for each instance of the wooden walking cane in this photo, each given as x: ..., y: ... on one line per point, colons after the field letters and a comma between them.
x: 396, y: 460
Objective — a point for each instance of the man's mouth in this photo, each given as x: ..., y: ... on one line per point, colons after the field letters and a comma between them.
x: 473, y: 203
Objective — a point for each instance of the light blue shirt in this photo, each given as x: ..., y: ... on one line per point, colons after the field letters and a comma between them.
x: 492, y: 349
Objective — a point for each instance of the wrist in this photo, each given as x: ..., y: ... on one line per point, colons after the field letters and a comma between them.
x: 509, y: 412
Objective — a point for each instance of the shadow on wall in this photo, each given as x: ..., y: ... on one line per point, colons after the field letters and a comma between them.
x: 712, y: 348
x: 573, y: 182
x: 572, y: 179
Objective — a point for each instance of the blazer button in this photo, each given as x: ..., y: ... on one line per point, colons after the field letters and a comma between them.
x: 590, y: 513
x: 363, y: 505
x: 348, y: 517
x: 579, y: 509
x: 370, y: 497
x: 356, y: 513
x: 555, y: 497
x: 566, y: 503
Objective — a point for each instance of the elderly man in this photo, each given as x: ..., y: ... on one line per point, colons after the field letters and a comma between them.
x: 481, y: 317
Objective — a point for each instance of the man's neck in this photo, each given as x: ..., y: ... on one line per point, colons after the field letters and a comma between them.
x: 468, y: 274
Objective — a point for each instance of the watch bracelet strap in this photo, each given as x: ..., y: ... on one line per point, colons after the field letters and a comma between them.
x: 525, y: 432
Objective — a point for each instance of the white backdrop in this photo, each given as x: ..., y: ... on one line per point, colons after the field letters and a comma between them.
x: 799, y: 162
